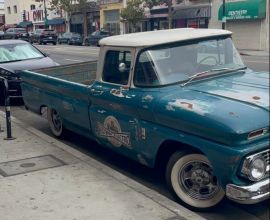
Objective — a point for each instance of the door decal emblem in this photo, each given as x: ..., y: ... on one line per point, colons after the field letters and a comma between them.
x: 111, y: 130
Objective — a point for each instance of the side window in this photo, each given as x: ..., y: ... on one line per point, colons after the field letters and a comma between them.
x: 117, y: 67
x: 145, y: 73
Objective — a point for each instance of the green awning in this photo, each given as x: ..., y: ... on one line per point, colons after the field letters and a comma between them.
x: 25, y: 24
x: 243, y: 9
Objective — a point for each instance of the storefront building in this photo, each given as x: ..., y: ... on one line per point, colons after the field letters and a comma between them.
x: 85, y: 22
x: 249, y: 22
x: 190, y: 13
x: 110, y: 16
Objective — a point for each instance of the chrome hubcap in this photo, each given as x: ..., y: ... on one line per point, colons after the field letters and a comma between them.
x: 198, y: 181
x: 56, y: 120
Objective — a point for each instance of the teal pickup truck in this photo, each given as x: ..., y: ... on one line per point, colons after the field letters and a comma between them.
x: 179, y: 100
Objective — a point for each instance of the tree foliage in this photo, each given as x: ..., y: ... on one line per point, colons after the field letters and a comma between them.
x: 69, y: 6
x: 134, y: 12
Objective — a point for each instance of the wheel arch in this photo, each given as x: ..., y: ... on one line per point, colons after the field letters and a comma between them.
x: 167, y: 148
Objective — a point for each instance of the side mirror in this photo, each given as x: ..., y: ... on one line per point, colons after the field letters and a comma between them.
x: 122, y: 67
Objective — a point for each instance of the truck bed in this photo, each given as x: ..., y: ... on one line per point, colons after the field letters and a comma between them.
x: 84, y: 73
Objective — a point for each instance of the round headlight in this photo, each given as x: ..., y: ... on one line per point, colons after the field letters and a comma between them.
x: 257, y: 169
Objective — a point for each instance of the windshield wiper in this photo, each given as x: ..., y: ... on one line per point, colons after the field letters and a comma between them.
x: 191, y: 78
x: 10, y: 61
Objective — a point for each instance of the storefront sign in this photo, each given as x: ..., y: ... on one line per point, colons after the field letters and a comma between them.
x: 243, y: 9
x: 38, y: 15
x: 196, y: 12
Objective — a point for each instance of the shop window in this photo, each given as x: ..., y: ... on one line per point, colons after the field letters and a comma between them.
x: 117, y: 67
x: 15, y: 9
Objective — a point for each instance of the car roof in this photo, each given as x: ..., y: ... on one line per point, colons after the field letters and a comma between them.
x: 7, y: 42
x: 152, y: 38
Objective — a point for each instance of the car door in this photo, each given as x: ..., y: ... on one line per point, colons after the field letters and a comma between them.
x: 9, y: 33
x: 113, y: 112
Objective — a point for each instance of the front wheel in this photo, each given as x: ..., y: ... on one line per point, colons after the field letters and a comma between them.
x: 55, y: 122
x: 191, y: 179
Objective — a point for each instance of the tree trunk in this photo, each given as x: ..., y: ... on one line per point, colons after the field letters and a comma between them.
x: 85, y: 30
x: 170, y: 13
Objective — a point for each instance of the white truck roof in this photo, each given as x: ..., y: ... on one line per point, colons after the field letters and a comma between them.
x: 152, y: 38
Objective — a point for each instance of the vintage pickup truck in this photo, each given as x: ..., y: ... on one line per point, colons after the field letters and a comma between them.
x: 180, y: 100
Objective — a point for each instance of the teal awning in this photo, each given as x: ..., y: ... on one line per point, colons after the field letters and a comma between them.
x: 56, y: 21
x: 243, y: 9
x: 25, y: 24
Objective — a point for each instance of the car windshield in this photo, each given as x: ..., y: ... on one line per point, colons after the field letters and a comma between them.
x: 174, y: 63
x: 75, y: 35
x: 20, y: 30
x: 17, y: 52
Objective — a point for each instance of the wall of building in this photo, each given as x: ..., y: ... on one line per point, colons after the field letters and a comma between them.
x: 249, y: 34
x: 15, y: 18
x: 106, y: 7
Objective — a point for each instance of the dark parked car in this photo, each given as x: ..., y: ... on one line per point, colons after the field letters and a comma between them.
x: 70, y: 38
x: 16, y: 55
x: 16, y: 33
x: 94, y: 38
x: 44, y: 36
x: 2, y: 34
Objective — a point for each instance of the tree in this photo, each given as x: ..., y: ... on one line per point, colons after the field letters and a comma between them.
x: 151, y: 3
x: 69, y: 6
x: 133, y: 13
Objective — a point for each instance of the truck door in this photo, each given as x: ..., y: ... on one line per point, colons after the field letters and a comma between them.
x: 113, y: 112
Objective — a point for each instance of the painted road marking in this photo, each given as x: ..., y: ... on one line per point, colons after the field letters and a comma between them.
x: 75, y: 60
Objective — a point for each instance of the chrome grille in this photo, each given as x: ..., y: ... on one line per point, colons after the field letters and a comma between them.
x: 266, y: 156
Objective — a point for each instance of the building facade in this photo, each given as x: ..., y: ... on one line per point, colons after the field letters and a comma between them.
x: 110, y: 16
x: 2, y: 13
x: 31, y: 14
x: 247, y: 19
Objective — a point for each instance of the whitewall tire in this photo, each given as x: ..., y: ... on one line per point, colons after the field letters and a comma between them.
x: 191, y: 179
x: 55, y: 122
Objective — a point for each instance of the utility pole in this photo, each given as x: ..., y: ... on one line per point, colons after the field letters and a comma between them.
x: 45, y: 12
x: 223, y: 15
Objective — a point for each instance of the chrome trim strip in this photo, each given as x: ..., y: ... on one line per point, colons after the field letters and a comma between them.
x: 251, y: 194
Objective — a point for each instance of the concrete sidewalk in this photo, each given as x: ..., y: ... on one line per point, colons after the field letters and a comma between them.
x: 42, y: 178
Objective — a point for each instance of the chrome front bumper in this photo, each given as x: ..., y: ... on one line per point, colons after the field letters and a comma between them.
x: 251, y: 194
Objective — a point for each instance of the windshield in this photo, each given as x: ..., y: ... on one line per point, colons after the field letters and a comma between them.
x: 20, y: 30
x: 15, y: 52
x: 177, y: 63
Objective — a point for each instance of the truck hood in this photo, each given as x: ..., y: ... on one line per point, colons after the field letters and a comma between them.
x: 223, y: 109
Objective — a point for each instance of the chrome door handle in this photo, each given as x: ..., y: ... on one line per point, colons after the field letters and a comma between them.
x: 96, y: 92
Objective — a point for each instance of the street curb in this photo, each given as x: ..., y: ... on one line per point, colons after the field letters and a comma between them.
x: 181, y: 212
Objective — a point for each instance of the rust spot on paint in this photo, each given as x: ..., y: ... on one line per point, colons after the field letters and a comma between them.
x: 256, y: 97
x: 233, y: 114
x: 188, y: 105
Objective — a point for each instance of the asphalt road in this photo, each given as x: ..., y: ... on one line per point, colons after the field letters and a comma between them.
x: 72, y: 54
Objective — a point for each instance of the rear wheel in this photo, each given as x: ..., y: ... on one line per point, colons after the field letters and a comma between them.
x: 55, y: 122
x: 192, y: 181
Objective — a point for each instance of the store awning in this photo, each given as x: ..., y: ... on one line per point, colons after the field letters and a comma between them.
x: 56, y: 21
x: 243, y: 9
x: 25, y: 24
x: 184, y: 12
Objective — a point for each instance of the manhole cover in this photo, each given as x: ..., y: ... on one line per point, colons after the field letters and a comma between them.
x: 29, y: 165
